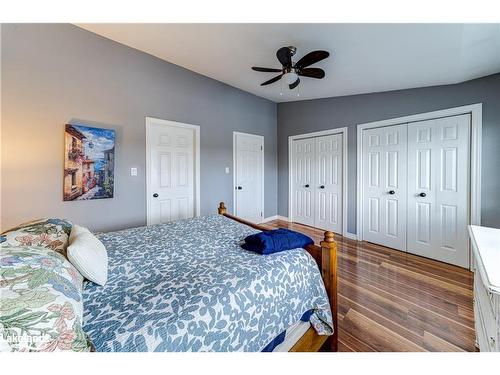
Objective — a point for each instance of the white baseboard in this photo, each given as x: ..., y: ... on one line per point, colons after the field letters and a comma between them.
x: 275, y: 217
x: 351, y: 236
x: 270, y: 218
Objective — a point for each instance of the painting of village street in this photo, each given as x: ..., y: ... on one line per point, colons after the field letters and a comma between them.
x: 89, y: 155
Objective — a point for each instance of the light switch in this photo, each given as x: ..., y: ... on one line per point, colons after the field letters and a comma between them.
x: 133, y: 171
x: 227, y: 170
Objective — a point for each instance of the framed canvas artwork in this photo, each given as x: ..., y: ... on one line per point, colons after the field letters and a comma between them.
x: 89, y: 158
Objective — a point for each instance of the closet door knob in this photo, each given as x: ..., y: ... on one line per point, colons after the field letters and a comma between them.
x: 423, y: 195
x: 492, y: 342
x: 155, y: 195
x: 239, y: 188
x: 392, y: 192
x: 322, y: 187
x: 306, y: 185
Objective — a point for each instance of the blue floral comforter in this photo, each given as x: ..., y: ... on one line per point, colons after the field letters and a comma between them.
x: 189, y: 286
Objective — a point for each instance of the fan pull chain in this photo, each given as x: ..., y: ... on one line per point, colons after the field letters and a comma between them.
x: 281, y: 92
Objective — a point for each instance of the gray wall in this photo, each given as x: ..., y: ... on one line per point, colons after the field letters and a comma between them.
x: 55, y: 74
x: 321, y: 114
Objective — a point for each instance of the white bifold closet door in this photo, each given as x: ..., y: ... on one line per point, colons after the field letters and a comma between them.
x: 304, y: 178
x: 384, y: 181
x: 416, y: 188
x: 438, y: 175
x: 328, y: 189
x: 317, y: 182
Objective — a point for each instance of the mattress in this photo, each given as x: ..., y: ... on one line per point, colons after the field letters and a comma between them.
x: 293, y: 334
x: 189, y: 286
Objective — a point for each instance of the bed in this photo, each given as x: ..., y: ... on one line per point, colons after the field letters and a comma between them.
x: 189, y: 286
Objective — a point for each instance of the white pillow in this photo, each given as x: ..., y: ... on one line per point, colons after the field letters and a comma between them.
x: 88, y: 255
x: 75, y: 231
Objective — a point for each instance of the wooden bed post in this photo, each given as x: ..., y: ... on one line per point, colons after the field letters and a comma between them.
x: 329, y: 273
x: 222, y: 208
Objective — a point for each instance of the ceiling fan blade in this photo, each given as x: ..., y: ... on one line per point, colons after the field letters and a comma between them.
x: 312, y: 73
x: 295, y: 84
x: 311, y: 58
x: 266, y: 70
x: 272, y: 80
x: 285, y: 57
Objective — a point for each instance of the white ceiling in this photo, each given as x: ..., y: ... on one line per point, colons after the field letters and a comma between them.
x: 364, y: 57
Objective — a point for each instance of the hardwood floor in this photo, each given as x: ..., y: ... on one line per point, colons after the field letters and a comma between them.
x: 394, y: 301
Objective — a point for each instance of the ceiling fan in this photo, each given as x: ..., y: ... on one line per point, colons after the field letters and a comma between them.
x: 291, y: 72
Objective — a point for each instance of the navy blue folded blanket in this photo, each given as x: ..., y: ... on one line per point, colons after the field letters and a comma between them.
x: 274, y: 241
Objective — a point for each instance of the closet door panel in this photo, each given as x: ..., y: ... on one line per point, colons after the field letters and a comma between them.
x: 328, y: 185
x: 384, y: 185
x: 304, y: 169
x: 438, y: 203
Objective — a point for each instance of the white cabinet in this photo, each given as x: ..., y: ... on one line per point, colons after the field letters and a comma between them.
x: 486, y: 255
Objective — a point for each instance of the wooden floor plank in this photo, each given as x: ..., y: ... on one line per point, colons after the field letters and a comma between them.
x: 353, y: 343
x: 449, y: 311
x: 394, y: 301
x: 437, y: 344
x: 376, y: 335
x: 432, y: 301
x: 398, y: 327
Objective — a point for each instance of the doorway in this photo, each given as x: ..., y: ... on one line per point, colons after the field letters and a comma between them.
x: 172, y: 170
x: 248, y: 176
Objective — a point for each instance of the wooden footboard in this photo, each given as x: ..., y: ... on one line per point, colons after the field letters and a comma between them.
x: 326, y: 257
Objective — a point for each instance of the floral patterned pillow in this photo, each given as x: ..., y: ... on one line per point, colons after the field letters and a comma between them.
x: 41, y: 303
x: 49, y: 233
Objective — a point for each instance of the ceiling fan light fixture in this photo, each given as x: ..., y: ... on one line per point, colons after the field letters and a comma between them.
x: 290, y: 77
x: 290, y: 72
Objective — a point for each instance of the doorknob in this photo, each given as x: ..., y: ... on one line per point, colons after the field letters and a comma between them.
x: 422, y: 194
x: 322, y: 187
x: 155, y: 195
x: 239, y: 188
x: 392, y: 192
x: 306, y: 185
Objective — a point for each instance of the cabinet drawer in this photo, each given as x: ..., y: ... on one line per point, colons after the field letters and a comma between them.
x: 490, y: 340
x: 483, y: 309
x: 481, y: 336
x: 483, y: 295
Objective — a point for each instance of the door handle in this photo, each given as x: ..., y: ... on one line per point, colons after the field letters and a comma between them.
x: 392, y: 192
x: 423, y: 195
x: 155, y: 195
x: 306, y: 185
x: 322, y: 187
x: 239, y: 188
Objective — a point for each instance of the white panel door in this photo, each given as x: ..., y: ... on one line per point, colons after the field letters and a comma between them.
x: 328, y: 185
x: 171, y: 173
x: 248, y: 171
x: 304, y: 180
x: 438, y: 175
x: 384, y: 186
